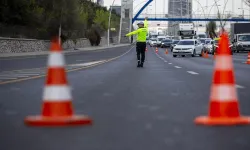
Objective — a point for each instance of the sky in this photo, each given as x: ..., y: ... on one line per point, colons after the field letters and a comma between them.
x: 232, y: 6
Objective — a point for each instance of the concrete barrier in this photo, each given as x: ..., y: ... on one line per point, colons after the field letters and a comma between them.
x: 15, y: 45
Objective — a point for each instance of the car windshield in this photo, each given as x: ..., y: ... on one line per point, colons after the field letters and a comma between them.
x: 216, y: 41
x: 186, y: 43
x: 202, y: 41
x: 175, y: 42
x: 167, y: 41
x: 208, y: 41
x: 153, y: 39
x: 160, y: 39
x: 202, y: 36
x: 244, y: 37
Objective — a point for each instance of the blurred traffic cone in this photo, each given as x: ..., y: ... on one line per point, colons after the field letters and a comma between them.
x: 203, y: 54
x: 248, y: 59
x: 57, y: 109
x: 215, y: 55
x: 206, y: 55
x: 146, y: 49
x: 166, y: 51
x: 156, y: 50
x: 224, y: 105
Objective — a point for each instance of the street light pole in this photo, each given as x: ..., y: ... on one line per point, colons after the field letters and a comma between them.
x: 110, y: 11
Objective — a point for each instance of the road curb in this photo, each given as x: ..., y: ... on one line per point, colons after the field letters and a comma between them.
x: 77, y: 50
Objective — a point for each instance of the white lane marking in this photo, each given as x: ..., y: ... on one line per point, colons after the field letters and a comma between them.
x: 19, y: 74
x: 14, y: 76
x: 177, y: 67
x: 191, y: 72
x: 239, y: 86
x: 169, y: 63
x: 6, y: 78
x: 87, y: 64
x: 165, y: 61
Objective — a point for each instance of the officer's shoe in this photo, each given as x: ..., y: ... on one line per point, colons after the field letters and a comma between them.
x: 139, y: 64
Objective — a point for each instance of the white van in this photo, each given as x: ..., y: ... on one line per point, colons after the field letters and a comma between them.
x: 159, y: 39
x: 201, y: 35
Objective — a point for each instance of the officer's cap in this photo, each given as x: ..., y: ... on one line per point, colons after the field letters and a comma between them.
x: 140, y: 23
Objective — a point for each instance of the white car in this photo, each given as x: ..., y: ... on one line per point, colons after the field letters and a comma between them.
x: 209, y: 46
x: 152, y: 42
x: 188, y: 47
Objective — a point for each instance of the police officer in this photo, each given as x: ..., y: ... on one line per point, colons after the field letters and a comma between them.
x: 140, y: 42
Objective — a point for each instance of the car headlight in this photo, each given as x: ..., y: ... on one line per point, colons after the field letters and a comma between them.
x: 239, y: 43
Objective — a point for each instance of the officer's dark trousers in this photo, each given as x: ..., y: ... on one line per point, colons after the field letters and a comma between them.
x: 140, y: 49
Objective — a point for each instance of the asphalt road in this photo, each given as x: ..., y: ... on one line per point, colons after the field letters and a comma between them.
x: 17, y: 63
x: 150, y: 108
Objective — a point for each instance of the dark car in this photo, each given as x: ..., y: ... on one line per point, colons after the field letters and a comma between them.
x: 166, y: 43
x: 174, y: 43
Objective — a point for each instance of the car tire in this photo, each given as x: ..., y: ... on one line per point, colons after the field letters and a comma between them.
x: 194, y: 53
x: 174, y: 55
x: 182, y: 55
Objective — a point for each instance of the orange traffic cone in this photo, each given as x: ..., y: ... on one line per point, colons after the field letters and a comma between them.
x: 146, y: 49
x: 57, y: 109
x: 206, y: 55
x: 248, y: 59
x: 166, y: 51
x: 156, y: 50
x: 224, y: 105
x: 203, y: 54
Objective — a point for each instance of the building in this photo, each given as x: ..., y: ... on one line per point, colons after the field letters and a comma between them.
x: 116, y: 9
x: 178, y: 9
x: 100, y: 2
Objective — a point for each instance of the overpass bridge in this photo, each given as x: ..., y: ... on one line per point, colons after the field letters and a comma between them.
x: 202, y: 17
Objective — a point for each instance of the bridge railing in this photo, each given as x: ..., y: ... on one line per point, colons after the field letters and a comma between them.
x: 204, y: 16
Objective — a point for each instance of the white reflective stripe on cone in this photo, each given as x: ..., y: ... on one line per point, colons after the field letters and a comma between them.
x: 224, y: 62
x: 57, y: 93
x: 224, y: 93
x: 56, y: 59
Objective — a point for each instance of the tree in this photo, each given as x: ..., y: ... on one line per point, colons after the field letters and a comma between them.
x: 42, y: 18
x: 211, y: 29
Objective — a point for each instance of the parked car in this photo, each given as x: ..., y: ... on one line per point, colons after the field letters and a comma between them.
x: 166, y: 43
x: 215, y: 46
x: 188, y: 47
x: 152, y: 42
x: 174, y: 43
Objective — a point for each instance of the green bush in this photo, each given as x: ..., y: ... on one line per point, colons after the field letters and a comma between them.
x: 41, y: 19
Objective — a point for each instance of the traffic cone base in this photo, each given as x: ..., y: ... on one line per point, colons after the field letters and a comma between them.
x: 57, y: 121
x: 248, y: 62
x: 205, y: 120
